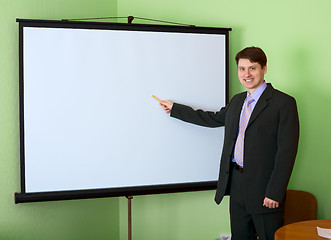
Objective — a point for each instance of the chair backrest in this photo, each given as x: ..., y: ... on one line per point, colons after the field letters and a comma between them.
x: 299, y: 206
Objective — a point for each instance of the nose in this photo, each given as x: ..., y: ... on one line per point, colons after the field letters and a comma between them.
x: 247, y: 72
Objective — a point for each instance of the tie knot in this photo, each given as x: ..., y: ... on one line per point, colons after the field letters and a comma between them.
x: 249, y: 99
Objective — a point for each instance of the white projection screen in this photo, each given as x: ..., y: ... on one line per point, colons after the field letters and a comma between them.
x: 89, y: 126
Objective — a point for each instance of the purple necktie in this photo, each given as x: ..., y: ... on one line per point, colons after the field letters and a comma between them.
x: 239, y: 147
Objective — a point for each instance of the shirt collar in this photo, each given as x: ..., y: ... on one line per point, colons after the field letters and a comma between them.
x: 258, y: 92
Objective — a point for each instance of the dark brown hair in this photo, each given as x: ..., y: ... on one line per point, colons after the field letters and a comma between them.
x: 253, y: 54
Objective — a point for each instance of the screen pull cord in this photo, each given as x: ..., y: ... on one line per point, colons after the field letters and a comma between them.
x: 130, y: 20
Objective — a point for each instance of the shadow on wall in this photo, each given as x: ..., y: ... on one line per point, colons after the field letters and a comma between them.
x: 311, y: 93
x: 235, y: 45
x: 307, y: 73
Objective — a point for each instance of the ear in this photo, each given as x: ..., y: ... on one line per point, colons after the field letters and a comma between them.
x: 265, y: 69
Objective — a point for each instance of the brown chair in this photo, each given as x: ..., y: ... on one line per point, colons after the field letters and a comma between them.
x: 299, y: 206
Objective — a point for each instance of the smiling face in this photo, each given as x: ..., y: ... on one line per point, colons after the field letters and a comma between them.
x: 251, y: 74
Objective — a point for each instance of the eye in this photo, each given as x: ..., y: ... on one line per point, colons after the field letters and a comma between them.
x: 252, y: 68
x: 241, y: 69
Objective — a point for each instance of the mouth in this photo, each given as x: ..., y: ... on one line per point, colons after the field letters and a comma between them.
x: 248, y: 80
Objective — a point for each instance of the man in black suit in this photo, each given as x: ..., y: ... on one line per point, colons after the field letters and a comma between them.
x: 260, y: 146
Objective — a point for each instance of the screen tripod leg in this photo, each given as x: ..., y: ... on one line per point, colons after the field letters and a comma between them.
x: 129, y: 217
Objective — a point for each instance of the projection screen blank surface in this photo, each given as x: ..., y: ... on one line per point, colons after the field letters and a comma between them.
x: 88, y: 117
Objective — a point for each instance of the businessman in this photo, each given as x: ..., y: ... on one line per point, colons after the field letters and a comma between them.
x: 260, y: 146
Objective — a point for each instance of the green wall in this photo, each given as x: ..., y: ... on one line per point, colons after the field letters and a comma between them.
x: 65, y: 220
x: 295, y: 35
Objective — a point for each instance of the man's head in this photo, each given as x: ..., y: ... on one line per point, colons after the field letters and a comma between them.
x: 253, y: 54
x: 252, y: 65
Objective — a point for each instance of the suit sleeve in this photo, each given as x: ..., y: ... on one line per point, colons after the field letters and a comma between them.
x: 199, y: 117
x: 287, y: 146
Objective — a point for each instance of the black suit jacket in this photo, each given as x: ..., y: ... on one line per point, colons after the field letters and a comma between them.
x: 271, y: 142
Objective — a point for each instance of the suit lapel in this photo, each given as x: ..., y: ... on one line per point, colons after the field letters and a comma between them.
x: 261, y: 104
x: 237, y: 110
